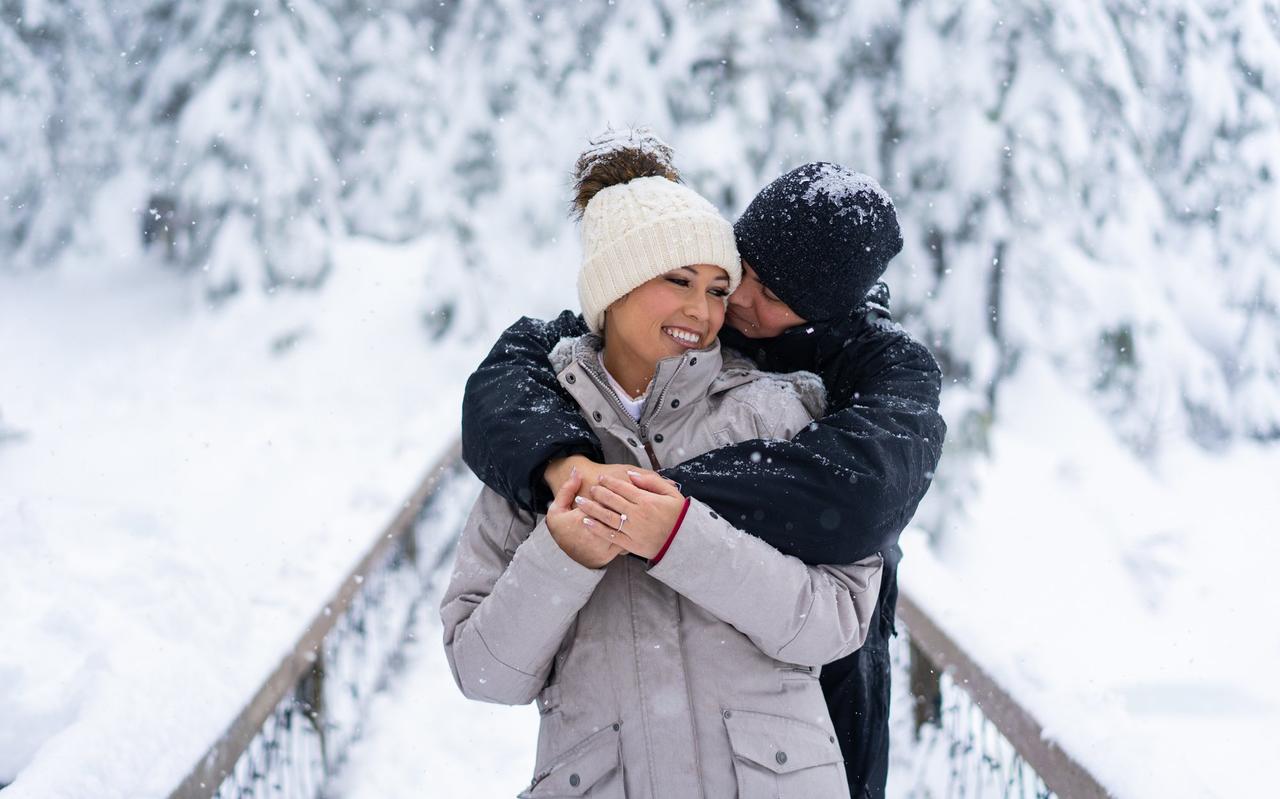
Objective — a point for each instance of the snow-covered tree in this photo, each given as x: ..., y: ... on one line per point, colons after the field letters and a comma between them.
x: 58, y: 81
x: 1091, y: 186
x: 238, y: 102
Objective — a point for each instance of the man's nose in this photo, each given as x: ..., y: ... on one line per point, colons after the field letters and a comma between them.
x: 741, y: 297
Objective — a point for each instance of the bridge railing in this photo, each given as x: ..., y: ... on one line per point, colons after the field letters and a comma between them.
x: 971, y: 736
x: 294, y: 732
x: 966, y: 725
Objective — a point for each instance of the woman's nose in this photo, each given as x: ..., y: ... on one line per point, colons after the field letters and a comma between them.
x: 697, y: 309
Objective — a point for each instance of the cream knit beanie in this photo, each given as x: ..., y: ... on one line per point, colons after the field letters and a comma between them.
x: 635, y: 231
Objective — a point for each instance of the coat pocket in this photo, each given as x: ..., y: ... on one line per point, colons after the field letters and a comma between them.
x: 592, y: 767
x: 777, y: 756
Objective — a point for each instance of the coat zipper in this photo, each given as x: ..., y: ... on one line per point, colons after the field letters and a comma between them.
x: 642, y: 430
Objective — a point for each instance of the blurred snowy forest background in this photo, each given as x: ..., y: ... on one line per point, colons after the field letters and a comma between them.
x: 269, y: 216
x: 1095, y: 183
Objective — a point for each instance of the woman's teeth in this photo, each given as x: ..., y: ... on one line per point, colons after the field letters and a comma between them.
x: 682, y: 336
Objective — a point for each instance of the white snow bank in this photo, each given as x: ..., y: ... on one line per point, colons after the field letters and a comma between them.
x: 1127, y: 605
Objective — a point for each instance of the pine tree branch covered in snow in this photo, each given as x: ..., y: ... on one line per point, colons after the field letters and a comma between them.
x: 1093, y: 184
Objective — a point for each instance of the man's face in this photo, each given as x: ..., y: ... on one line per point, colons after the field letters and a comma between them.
x: 756, y: 312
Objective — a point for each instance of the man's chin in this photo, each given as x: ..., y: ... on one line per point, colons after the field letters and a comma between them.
x: 745, y: 329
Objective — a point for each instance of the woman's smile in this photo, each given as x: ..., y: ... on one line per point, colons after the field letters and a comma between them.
x: 683, y: 336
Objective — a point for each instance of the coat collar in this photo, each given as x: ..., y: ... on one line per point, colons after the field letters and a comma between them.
x: 679, y: 384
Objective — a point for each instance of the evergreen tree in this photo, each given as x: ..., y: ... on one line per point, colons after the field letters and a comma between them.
x: 239, y: 102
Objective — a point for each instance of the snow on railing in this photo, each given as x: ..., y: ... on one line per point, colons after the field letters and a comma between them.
x: 970, y: 734
x: 990, y: 745
x: 295, y: 731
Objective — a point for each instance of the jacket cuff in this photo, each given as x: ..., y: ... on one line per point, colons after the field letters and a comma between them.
x: 541, y: 554
x: 702, y: 536
x: 671, y: 537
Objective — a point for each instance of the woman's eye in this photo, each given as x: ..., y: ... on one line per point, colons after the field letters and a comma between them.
x: 679, y: 281
x: 721, y: 293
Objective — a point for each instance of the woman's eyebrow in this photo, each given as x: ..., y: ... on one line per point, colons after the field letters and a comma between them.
x: 693, y: 271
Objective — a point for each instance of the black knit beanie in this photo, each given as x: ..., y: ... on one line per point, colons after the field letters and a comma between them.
x: 819, y: 237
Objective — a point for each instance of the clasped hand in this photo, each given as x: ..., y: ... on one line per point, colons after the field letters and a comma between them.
x: 587, y: 520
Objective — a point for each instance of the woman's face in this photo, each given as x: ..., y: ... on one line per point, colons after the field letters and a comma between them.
x: 681, y: 310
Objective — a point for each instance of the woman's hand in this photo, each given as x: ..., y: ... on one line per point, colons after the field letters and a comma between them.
x: 652, y: 506
x: 558, y: 471
x: 567, y: 527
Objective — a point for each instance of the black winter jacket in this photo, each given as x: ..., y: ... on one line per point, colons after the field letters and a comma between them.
x: 841, y: 490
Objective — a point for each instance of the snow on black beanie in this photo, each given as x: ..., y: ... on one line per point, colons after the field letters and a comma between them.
x: 820, y: 237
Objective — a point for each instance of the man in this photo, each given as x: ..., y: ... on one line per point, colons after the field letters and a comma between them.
x: 814, y: 243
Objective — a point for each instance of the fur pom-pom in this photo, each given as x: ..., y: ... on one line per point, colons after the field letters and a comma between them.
x: 618, y: 156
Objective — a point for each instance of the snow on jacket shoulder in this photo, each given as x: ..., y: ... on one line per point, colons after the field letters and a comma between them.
x: 694, y: 677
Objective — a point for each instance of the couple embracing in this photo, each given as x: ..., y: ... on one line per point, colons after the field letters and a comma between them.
x: 686, y: 550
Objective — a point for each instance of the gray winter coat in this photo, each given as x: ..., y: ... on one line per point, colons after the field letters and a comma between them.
x: 696, y: 677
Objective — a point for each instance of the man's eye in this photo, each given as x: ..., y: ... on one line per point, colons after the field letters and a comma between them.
x: 769, y: 295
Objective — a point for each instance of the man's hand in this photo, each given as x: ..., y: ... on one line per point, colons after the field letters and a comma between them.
x: 569, y: 529
x: 651, y: 504
x: 558, y: 470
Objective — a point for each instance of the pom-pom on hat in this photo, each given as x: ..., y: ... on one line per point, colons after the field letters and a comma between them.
x: 638, y: 223
x: 819, y: 237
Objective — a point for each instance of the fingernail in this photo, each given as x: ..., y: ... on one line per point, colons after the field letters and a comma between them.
x: 633, y: 474
x: 573, y: 472
x: 578, y: 500
x: 588, y: 522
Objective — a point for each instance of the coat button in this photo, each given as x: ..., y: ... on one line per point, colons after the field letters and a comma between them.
x: 617, y: 727
x: 632, y: 442
x: 569, y: 378
x: 728, y: 714
x: 597, y: 416
x: 693, y: 361
x: 781, y: 757
x: 675, y: 403
x: 574, y: 780
x: 658, y: 438
x: 713, y: 515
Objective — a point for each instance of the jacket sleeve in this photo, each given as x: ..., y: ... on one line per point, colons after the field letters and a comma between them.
x: 808, y: 615
x: 506, y: 616
x: 845, y: 486
x: 516, y: 417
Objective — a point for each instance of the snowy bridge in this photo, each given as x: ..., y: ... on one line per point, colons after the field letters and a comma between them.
x: 363, y: 703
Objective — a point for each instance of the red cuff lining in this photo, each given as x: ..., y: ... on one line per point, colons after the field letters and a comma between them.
x: 670, y: 538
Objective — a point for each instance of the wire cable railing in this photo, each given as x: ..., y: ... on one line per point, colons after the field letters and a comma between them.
x: 969, y: 737
x: 295, y: 731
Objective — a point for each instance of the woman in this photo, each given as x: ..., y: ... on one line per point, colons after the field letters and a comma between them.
x: 670, y: 654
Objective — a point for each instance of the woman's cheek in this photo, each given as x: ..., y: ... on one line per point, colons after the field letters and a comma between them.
x: 716, y: 318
